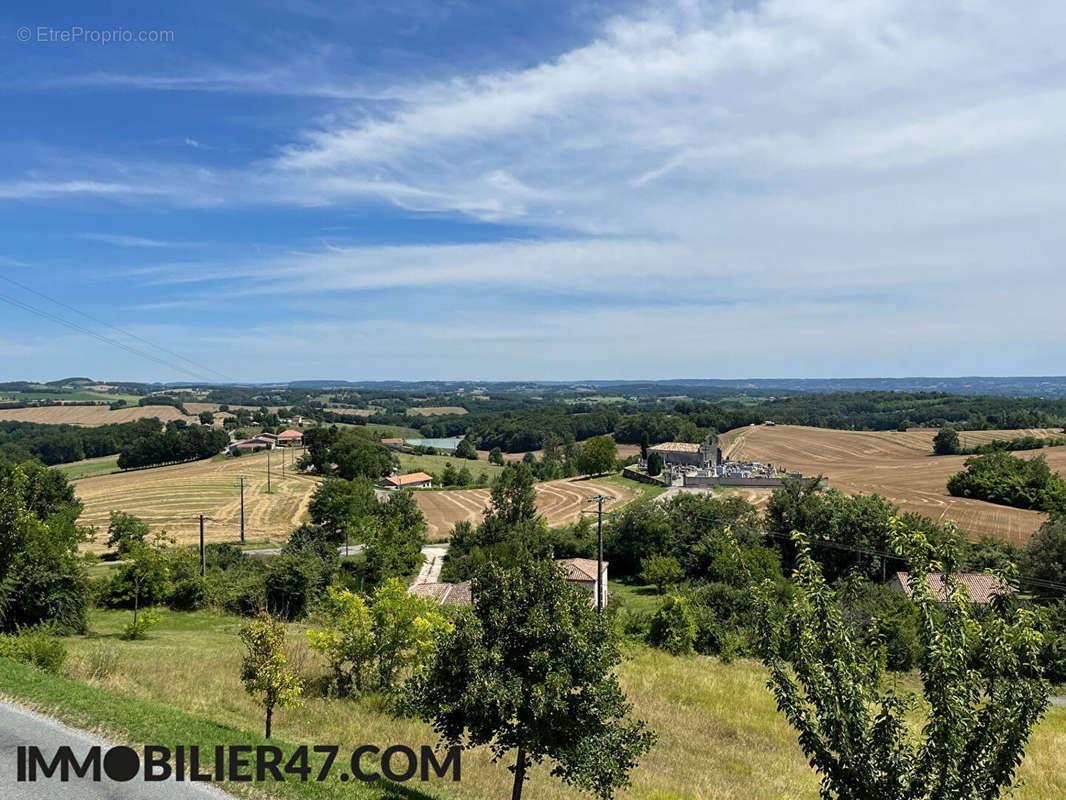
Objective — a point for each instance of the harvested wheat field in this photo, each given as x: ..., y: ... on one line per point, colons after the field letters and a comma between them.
x: 89, y: 416
x: 560, y: 501
x: 434, y: 411
x: 173, y: 498
x: 896, y: 465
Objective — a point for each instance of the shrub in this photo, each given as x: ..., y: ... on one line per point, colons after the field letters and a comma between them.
x: 672, y: 627
x: 189, y: 594
x: 224, y: 556
x: 240, y: 592
x: 137, y: 628
x: 35, y: 647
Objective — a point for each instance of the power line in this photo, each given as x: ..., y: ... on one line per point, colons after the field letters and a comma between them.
x: 107, y: 340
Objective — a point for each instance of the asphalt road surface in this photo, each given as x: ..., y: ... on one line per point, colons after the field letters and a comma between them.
x: 20, y: 726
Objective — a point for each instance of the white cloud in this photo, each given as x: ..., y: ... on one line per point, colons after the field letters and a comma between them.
x: 781, y: 176
x: 126, y: 241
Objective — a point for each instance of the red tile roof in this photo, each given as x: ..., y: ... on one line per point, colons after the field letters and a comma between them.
x: 290, y: 434
x: 580, y: 569
x: 980, y: 587
x: 404, y: 480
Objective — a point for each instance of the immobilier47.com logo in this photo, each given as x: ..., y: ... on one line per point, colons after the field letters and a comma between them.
x: 237, y: 763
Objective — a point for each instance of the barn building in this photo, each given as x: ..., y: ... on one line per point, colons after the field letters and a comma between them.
x: 415, y: 480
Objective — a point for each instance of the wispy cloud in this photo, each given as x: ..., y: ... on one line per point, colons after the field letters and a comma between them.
x: 126, y: 241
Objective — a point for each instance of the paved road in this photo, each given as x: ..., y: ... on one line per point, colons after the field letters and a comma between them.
x: 20, y: 726
x: 434, y: 560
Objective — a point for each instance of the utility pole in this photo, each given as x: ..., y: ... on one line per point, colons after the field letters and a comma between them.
x: 268, y: 469
x: 203, y: 554
x: 241, y: 478
x: 600, y: 588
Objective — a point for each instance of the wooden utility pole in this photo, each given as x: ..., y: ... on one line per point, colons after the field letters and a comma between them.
x: 203, y: 553
x: 601, y: 590
x: 241, y: 484
x: 268, y: 469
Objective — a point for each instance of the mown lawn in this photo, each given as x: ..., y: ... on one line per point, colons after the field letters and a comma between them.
x: 720, y: 735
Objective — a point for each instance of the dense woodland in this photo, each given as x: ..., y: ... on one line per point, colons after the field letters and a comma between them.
x: 59, y: 444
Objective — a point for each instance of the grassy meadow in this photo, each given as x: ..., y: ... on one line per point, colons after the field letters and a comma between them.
x: 720, y: 735
x: 437, y: 464
x: 89, y: 467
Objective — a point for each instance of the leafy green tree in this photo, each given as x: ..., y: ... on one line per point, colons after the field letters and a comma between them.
x: 689, y: 432
x: 655, y: 464
x: 645, y: 443
x: 371, y: 643
x: 673, y: 628
x: 124, y: 531
x: 496, y: 456
x: 357, y: 455
x: 145, y: 577
x: 981, y: 687
x: 661, y: 571
x: 336, y: 504
x: 598, y: 455
x: 946, y: 442
x: 513, y: 498
x: 465, y: 449
x: 1011, y: 481
x: 206, y: 417
x: 531, y: 670
x: 1046, y: 556
x: 263, y: 667
x: 346, y: 640
x: 407, y: 631
x: 464, y: 478
x: 391, y: 550
x: 41, y: 577
x: 449, y: 476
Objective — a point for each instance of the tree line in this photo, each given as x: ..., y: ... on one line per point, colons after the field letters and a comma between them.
x: 175, y: 443
x: 60, y: 444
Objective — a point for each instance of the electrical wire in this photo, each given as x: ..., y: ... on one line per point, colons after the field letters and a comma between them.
x: 89, y: 332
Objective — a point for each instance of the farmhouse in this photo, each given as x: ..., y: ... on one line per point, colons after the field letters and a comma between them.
x: 260, y: 442
x: 579, y: 571
x: 290, y: 437
x: 415, y: 480
x: 582, y: 572
x: 980, y: 587
x: 688, y: 454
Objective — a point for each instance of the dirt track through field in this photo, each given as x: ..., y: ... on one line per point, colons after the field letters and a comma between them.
x: 897, y: 465
x: 560, y: 501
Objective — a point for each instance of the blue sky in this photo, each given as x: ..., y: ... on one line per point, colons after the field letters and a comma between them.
x: 295, y: 189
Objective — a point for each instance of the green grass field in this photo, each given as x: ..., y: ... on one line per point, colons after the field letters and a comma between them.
x: 720, y: 735
x: 634, y: 595
x: 89, y: 468
x: 436, y: 464
x: 393, y: 431
x: 645, y: 491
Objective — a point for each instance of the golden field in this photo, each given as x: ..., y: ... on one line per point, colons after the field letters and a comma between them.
x: 897, y: 465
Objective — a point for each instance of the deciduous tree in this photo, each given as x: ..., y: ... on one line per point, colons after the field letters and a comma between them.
x: 264, y: 671
x: 530, y: 672
x: 981, y: 687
